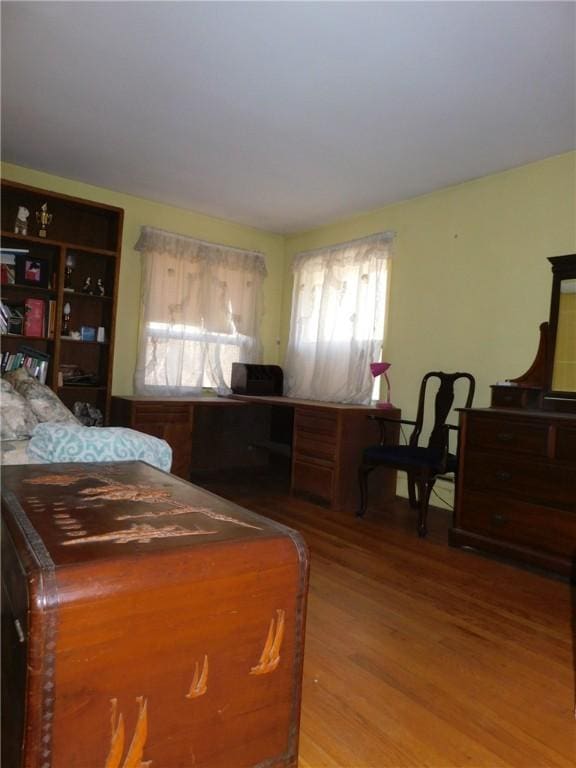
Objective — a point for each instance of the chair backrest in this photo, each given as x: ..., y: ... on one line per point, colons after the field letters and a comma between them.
x: 443, y: 403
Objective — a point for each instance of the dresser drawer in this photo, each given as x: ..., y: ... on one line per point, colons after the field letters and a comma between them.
x: 529, y: 479
x: 519, y: 522
x: 515, y: 397
x: 510, y: 435
x: 321, y: 425
x: 566, y: 444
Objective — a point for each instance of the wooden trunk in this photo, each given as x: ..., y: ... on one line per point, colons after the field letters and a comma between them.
x: 145, y: 619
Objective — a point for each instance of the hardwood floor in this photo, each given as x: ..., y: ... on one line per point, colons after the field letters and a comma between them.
x: 422, y: 655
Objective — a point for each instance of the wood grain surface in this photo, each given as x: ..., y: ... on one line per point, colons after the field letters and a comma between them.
x: 164, y: 625
x: 418, y: 654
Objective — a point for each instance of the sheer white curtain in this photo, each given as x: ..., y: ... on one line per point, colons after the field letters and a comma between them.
x: 337, y: 324
x: 200, y: 312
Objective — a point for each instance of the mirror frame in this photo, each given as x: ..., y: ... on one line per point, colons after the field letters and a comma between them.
x: 563, y: 268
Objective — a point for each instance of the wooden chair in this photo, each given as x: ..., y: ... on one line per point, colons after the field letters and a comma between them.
x: 423, y: 464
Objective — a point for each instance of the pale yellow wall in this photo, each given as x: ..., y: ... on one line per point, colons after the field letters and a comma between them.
x: 139, y: 212
x: 470, y: 280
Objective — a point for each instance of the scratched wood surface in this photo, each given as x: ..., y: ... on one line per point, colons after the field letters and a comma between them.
x: 422, y: 655
x: 164, y: 624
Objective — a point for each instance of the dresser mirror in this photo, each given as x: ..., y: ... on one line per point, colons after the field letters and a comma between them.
x: 550, y: 382
x: 560, y: 385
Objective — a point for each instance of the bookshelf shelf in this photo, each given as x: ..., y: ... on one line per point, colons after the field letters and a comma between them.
x: 83, y: 240
x: 31, y: 239
x: 69, y: 340
x: 18, y: 287
x: 86, y: 296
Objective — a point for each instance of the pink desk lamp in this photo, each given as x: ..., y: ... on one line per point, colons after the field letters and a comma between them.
x: 377, y: 369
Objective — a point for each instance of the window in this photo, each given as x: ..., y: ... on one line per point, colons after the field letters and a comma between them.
x: 200, y: 313
x: 338, y: 316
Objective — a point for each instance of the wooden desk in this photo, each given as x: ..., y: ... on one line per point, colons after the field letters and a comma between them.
x: 212, y: 433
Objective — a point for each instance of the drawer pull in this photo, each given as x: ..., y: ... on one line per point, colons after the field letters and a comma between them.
x: 505, y: 437
x: 503, y: 476
x: 498, y: 518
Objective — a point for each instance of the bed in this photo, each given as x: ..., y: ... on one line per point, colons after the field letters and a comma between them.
x: 37, y: 428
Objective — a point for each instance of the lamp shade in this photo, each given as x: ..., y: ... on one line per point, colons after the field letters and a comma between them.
x: 377, y: 369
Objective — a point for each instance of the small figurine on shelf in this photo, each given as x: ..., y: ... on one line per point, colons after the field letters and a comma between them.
x: 69, y: 268
x: 66, y: 322
x: 21, y: 223
x: 87, y: 287
x: 100, y: 286
x: 44, y: 219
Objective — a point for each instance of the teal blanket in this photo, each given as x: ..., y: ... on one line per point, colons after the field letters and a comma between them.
x: 53, y: 442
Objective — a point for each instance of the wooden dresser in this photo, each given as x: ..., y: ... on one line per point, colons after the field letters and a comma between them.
x: 517, y: 486
x: 516, y: 493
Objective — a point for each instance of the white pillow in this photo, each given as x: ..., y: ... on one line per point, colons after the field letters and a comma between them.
x: 41, y: 399
x: 16, y: 419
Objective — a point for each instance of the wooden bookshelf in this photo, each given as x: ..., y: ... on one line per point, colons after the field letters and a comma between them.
x: 83, y: 240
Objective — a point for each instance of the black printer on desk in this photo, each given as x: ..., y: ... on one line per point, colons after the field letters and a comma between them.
x: 250, y: 379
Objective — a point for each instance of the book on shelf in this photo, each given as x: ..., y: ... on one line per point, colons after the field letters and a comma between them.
x: 34, y: 315
x: 51, y: 324
x: 35, y: 361
x: 5, y: 315
x: 11, y: 318
x: 7, y: 274
x: 8, y: 264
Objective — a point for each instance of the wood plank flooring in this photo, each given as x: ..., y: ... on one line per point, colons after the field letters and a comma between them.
x: 418, y: 654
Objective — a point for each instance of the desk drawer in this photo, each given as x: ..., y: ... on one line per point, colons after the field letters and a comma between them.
x: 312, y: 479
x: 539, y: 481
x: 162, y: 413
x: 509, y: 435
x: 321, y: 425
x: 519, y: 522
x: 306, y: 445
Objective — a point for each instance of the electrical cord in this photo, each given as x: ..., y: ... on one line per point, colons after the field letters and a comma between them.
x: 443, y: 500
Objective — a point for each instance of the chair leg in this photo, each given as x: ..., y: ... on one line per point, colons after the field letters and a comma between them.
x: 363, y: 473
x: 425, y: 485
x: 412, y: 491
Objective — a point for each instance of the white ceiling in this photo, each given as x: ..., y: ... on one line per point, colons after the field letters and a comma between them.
x: 285, y: 115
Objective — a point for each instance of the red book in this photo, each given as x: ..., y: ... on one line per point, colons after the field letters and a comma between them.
x: 34, y: 310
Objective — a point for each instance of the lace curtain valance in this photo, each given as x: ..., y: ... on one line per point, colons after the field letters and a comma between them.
x: 161, y: 241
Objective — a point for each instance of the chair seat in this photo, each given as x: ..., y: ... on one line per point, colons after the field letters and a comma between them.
x: 407, y: 457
